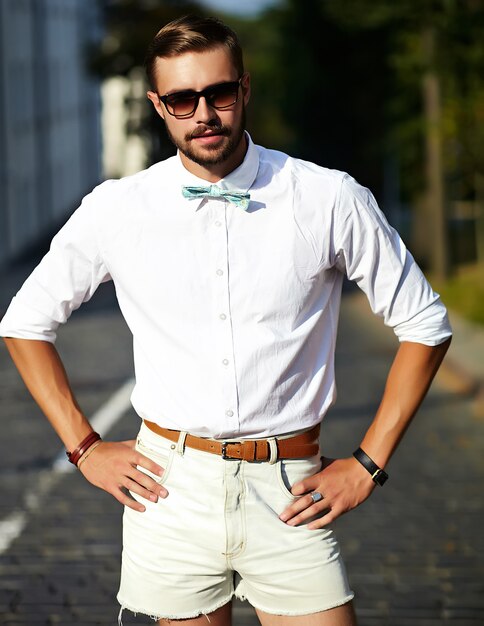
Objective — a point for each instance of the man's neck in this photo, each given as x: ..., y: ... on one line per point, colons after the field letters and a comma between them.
x: 214, y: 173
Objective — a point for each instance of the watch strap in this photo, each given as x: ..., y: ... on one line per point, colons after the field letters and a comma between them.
x: 378, y: 475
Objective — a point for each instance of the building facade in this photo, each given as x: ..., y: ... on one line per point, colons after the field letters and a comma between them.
x: 50, y: 146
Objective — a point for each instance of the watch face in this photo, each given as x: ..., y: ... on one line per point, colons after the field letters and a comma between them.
x: 380, y: 477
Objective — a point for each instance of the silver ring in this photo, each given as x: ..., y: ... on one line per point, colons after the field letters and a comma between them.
x: 316, y: 496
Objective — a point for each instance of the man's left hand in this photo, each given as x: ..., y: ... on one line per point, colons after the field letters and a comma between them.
x: 343, y: 483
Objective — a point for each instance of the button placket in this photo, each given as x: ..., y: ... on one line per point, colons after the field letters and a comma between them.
x: 221, y: 304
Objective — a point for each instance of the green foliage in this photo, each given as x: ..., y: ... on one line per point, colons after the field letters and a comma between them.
x: 458, y: 61
x: 330, y: 106
x: 260, y: 40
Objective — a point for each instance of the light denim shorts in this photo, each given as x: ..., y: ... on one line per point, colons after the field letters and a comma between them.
x: 218, y: 535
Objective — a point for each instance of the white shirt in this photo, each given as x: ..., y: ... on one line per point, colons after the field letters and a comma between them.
x: 233, y: 313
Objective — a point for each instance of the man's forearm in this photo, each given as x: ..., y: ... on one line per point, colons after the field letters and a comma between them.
x: 44, y: 374
x: 409, y: 379
x: 344, y: 483
x: 111, y: 466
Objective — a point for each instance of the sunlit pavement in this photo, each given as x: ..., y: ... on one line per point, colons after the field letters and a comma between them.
x: 414, y: 550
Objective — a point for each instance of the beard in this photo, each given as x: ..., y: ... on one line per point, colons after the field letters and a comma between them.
x: 211, y: 155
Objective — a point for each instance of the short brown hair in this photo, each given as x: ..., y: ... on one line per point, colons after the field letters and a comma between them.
x: 191, y: 33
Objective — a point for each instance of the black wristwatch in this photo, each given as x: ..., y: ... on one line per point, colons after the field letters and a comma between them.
x: 378, y: 475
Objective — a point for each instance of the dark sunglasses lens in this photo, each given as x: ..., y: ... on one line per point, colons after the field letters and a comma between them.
x: 223, y: 96
x: 181, y: 104
x: 220, y: 97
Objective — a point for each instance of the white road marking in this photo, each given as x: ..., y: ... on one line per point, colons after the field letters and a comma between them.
x: 10, y: 528
x: 102, y: 421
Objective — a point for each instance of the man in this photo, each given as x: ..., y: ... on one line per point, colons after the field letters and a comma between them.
x: 228, y: 261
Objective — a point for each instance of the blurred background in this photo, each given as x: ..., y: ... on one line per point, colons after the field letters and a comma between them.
x: 392, y: 92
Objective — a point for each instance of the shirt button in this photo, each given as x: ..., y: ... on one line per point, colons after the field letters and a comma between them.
x: 223, y: 316
x: 225, y: 361
x: 220, y: 272
x: 229, y: 413
x: 217, y: 223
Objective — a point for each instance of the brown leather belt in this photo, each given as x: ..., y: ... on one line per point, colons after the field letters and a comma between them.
x: 298, y: 447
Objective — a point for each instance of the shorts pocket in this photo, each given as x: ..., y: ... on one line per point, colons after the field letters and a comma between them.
x: 291, y: 471
x: 158, y: 454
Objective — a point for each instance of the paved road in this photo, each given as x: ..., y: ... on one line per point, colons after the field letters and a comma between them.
x: 414, y: 550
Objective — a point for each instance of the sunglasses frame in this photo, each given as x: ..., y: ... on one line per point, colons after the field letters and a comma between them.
x: 204, y: 93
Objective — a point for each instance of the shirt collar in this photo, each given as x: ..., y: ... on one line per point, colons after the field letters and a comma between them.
x: 240, y: 179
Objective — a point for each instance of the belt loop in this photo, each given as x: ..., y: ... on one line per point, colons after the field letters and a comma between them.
x: 273, y: 449
x: 180, y: 446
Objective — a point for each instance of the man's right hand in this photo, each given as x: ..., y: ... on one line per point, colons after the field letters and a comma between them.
x: 112, y: 466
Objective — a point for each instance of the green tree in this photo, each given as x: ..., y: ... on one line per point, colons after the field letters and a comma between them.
x: 331, y: 83
x: 436, y: 109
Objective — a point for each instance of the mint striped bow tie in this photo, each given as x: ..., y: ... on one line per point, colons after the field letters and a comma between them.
x: 239, y: 198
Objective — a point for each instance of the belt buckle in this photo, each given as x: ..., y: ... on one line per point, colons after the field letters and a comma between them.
x: 224, y: 451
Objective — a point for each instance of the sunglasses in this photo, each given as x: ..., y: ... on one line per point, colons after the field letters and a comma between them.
x: 183, y: 104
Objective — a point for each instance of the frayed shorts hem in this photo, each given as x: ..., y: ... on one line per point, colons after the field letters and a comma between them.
x: 320, y: 609
x: 156, y: 617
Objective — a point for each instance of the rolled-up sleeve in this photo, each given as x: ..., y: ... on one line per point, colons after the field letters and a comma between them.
x: 373, y: 255
x: 67, y: 276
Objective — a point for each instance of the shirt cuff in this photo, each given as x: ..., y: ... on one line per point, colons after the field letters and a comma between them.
x: 430, y: 326
x: 24, y: 322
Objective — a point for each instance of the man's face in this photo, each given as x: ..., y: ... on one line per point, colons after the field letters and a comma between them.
x: 210, y: 138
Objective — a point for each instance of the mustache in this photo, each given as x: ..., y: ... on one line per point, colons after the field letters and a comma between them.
x: 220, y: 129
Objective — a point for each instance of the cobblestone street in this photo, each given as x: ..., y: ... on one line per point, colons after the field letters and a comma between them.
x: 414, y: 551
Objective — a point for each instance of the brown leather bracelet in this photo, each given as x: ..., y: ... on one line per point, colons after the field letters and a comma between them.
x: 87, y: 454
x: 85, y: 444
